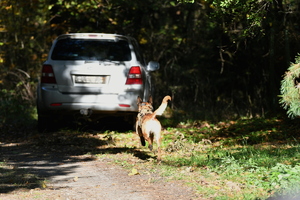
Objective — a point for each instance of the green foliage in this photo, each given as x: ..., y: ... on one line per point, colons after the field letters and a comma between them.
x: 249, y: 15
x: 290, y: 89
x: 186, y: 1
x: 23, y: 35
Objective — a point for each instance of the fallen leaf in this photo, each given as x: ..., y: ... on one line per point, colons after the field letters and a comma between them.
x: 44, y: 185
x: 75, y: 179
x: 217, y: 187
x: 133, y: 172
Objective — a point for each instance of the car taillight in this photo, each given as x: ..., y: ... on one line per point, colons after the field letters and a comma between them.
x: 124, y: 105
x: 134, y: 76
x: 55, y: 104
x: 47, y: 74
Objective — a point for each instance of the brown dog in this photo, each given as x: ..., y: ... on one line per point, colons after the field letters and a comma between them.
x: 147, y: 126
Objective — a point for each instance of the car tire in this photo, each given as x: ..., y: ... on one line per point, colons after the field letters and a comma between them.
x: 44, y: 123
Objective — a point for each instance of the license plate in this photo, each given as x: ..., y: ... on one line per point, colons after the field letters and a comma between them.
x: 90, y: 79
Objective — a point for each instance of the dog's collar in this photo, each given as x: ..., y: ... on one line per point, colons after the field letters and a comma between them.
x: 147, y: 105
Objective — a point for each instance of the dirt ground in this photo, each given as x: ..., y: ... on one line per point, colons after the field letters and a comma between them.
x: 65, y: 171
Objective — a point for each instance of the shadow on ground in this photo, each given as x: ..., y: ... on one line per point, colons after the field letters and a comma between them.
x: 28, y: 158
x: 261, y: 130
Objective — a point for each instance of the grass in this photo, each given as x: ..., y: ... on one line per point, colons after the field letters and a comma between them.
x: 244, y: 159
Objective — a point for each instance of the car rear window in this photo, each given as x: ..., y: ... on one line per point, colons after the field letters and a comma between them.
x: 80, y: 49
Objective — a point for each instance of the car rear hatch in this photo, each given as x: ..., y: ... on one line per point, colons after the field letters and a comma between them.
x: 91, y: 64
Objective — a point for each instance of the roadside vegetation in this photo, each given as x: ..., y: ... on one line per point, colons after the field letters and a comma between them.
x: 243, y: 159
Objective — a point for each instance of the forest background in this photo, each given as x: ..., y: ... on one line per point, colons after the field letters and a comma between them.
x: 220, y: 59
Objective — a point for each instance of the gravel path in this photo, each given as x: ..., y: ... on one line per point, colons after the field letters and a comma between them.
x: 85, y: 177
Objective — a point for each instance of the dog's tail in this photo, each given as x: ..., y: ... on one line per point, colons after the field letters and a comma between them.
x: 163, y: 106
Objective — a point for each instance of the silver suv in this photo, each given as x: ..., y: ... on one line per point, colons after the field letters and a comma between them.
x: 92, y: 73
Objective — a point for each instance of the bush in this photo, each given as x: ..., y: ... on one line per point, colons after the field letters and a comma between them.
x: 290, y: 89
x: 12, y: 108
x: 16, y: 98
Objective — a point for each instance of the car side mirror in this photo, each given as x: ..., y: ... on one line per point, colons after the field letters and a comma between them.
x: 152, y: 66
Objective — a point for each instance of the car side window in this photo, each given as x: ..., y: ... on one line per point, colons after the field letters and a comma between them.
x: 137, y: 51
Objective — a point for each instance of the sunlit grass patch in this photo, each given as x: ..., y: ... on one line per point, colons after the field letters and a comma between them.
x: 244, y: 154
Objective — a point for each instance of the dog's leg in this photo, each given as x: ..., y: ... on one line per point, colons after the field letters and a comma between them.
x: 147, y: 137
x: 150, y: 140
x: 139, y: 132
x: 143, y: 142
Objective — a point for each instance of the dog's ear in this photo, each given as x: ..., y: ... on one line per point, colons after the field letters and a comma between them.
x: 139, y: 100
x: 150, y: 100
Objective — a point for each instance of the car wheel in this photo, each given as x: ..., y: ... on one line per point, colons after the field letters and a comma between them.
x: 44, y: 123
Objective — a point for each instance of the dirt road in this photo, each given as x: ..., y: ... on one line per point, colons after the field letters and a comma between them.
x: 59, y: 174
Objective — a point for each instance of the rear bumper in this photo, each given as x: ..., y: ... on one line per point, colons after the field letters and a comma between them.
x: 52, y: 101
